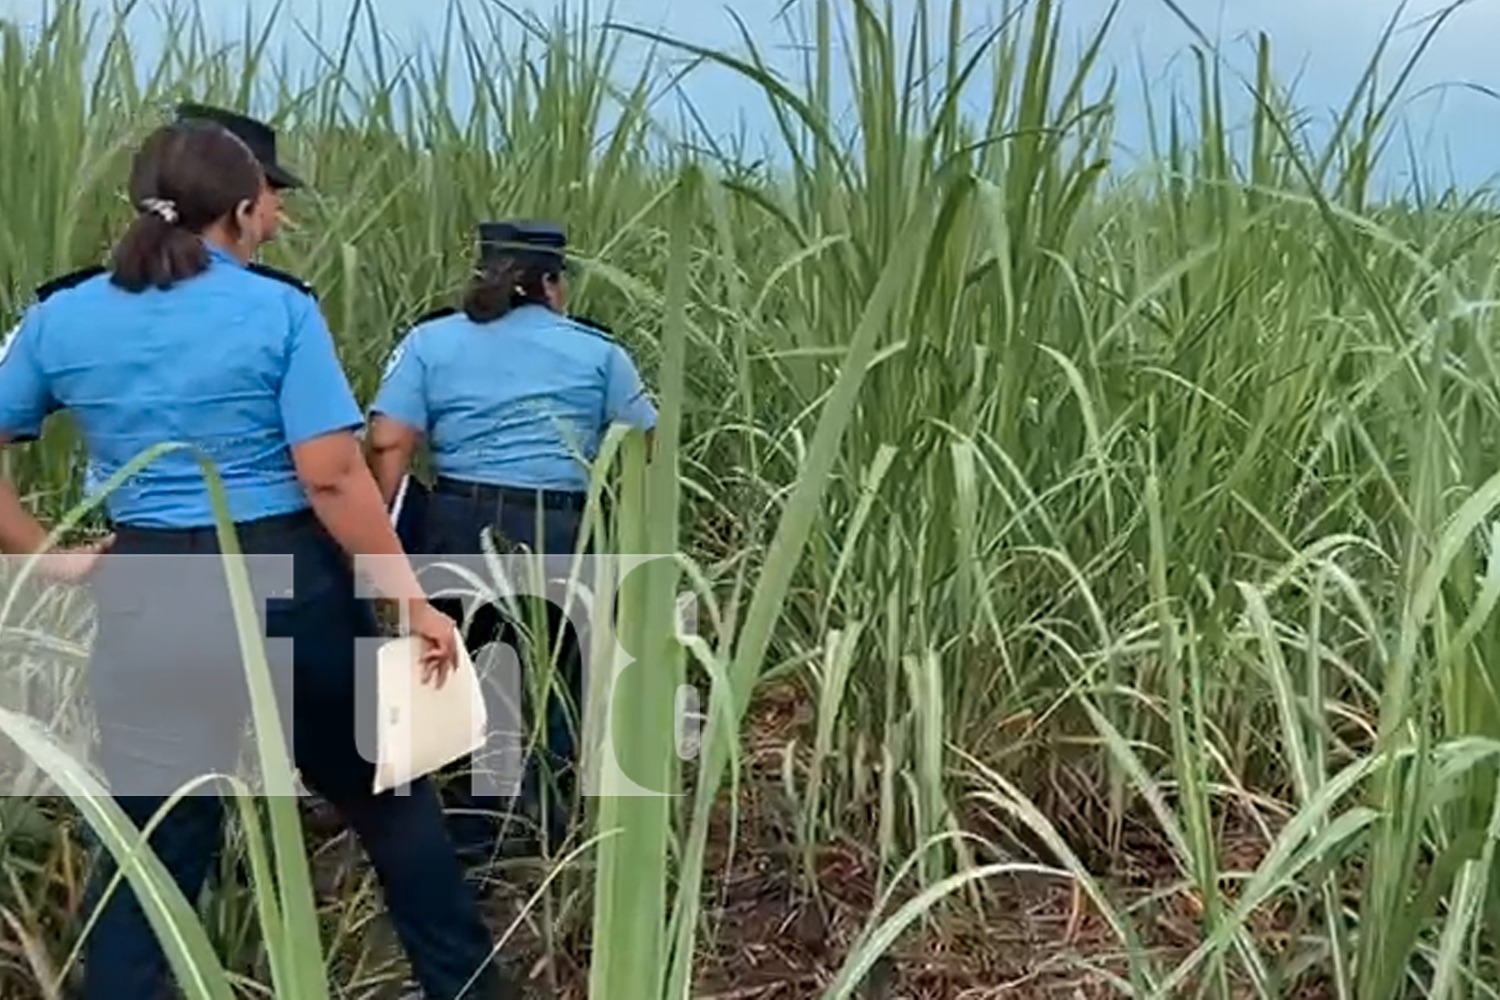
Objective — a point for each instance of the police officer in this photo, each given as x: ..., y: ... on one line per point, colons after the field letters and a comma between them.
x: 182, y: 341
x: 513, y: 398
x: 261, y: 139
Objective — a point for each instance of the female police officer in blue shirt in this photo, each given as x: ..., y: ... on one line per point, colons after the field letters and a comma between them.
x: 183, y: 341
x: 513, y: 397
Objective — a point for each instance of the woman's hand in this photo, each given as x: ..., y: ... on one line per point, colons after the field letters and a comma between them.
x: 73, y: 564
x: 439, y: 635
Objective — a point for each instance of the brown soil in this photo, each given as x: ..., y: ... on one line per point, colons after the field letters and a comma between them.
x: 770, y: 932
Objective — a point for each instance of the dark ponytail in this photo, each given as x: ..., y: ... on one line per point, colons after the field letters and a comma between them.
x: 156, y: 252
x: 504, y: 283
x: 185, y: 177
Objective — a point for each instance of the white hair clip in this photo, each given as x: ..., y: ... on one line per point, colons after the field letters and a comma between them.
x: 167, y: 210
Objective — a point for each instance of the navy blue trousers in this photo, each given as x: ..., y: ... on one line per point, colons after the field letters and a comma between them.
x: 167, y: 683
x: 456, y: 515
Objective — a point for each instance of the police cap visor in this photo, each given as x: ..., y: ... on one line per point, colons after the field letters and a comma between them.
x: 259, y: 136
x: 500, y: 239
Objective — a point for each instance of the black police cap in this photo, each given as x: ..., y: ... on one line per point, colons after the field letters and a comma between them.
x: 497, y: 239
x: 259, y: 136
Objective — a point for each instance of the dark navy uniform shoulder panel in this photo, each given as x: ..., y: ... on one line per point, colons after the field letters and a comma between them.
x: 283, y: 277
x: 592, y: 326
x: 435, y: 314
x: 66, y: 281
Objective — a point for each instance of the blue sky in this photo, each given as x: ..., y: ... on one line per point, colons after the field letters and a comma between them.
x: 1320, y: 48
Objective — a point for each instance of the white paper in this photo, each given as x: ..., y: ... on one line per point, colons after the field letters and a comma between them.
x: 421, y: 727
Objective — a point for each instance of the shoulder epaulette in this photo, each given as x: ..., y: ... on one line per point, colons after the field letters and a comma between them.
x: 284, y: 278
x: 593, y: 326
x: 428, y: 317
x: 66, y: 281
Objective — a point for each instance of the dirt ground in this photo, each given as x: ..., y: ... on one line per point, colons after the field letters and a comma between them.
x: 770, y: 933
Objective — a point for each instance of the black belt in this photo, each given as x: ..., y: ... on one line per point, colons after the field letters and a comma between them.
x: 272, y: 526
x: 496, y: 495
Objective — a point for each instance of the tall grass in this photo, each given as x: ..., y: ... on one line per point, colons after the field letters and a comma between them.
x: 1103, y: 521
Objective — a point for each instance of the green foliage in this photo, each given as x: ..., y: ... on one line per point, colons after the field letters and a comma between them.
x: 1077, y: 503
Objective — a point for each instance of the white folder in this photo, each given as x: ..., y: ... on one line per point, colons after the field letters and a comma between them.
x: 421, y: 727
x: 409, y: 512
x: 399, y: 500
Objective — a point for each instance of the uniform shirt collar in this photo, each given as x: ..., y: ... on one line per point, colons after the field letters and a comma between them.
x: 219, y: 254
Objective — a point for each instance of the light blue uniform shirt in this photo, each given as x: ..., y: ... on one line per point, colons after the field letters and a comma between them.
x: 522, y: 402
x: 232, y: 361
x: 93, y: 479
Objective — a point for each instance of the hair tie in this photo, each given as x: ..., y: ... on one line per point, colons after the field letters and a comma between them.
x: 166, y: 210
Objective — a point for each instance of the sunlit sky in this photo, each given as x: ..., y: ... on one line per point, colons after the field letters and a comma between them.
x: 1450, y: 106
